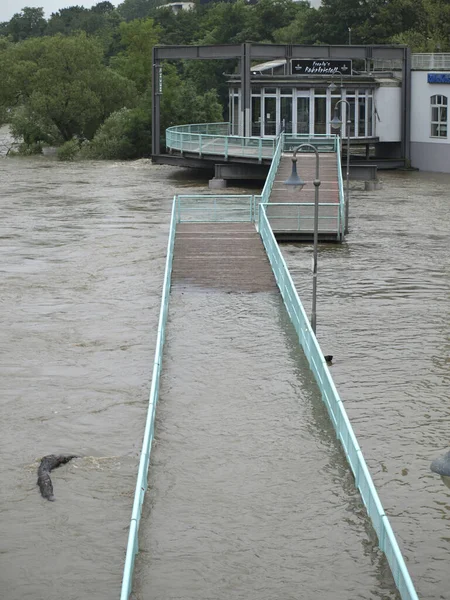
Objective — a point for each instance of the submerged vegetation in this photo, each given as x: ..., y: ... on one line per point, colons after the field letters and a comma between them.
x: 81, y: 79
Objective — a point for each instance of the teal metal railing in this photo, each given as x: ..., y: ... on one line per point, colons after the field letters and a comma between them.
x: 267, y: 189
x: 212, y: 208
x: 324, y: 142
x: 201, y: 139
x: 337, y: 412
x: 289, y: 217
x: 299, y: 216
x: 342, y: 199
x: 141, y: 484
x: 217, y: 209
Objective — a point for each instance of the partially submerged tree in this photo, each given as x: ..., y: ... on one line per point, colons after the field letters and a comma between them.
x: 64, y: 83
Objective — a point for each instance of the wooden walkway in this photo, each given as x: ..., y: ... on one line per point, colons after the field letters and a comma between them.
x: 297, y: 223
x: 224, y: 256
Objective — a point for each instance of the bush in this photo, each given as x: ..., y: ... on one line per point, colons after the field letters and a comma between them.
x: 126, y: 134
x: 27, y: 127
x: 69, y: 150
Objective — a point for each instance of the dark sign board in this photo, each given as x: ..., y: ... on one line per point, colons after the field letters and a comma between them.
x: 438, y: 77
x: 302, y: 66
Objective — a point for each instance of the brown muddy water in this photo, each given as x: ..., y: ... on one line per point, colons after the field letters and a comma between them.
x: 250, y: 496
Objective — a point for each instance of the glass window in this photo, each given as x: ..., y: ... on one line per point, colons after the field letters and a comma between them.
x: 320, y: 92
x: 438, y: 116
x: 350, y: 116
x: 320, y: 115
x: 270, y: 90
x: 256, y: 116
x: 369, y: 116
x: 286, y: 114
x: 270, y: 116
x: 235, y: 124
x: 302, y: 115
x: 286, y: 91
x: 361, y: 115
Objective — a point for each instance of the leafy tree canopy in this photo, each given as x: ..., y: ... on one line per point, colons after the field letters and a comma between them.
x: 137, y: 9
x: 135, y: 62
x: 63, y: 82
x: 29, y: 22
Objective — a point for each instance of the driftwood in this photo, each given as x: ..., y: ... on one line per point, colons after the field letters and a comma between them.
x: 48, y: 463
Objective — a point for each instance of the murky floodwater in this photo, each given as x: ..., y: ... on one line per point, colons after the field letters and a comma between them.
x: 83, y: 248
x: 384, y: 312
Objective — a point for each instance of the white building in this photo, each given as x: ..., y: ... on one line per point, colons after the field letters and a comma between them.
x: 393, y: 119
x: 430, y: 97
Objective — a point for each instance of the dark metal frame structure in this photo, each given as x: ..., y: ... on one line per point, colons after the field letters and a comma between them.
x: 248, y: 52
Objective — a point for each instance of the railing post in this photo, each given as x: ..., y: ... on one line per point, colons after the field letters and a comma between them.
x: 200, y: 145
x: 226, y: 147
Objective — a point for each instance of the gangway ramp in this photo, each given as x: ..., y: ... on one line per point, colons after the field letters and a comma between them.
x: 291, y: 211
x: 249, y: 493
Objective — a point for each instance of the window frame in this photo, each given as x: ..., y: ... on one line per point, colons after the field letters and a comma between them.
x: 439, y: 126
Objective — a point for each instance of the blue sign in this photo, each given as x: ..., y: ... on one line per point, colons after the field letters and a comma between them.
x: 438, y: 77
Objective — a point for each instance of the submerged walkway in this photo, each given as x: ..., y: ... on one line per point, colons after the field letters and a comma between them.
x: 249, y: 493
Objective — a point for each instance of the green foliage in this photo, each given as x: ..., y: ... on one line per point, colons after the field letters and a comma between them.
x: 124, y: 135
x: 181, y: 103
x: 180, y: 28
x: 64, y: 82
x: 31, y: 128
x: 137, y: 9
x: 29, y: 22
x: 135, y: 61
x: 86, y: 73
x: 68, y: 151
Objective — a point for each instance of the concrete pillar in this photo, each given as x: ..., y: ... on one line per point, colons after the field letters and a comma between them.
x: 217, y: 184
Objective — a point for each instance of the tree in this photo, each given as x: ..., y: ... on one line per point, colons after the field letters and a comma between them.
x: 29, y: 22
x: 137, y: 9
x: 63, y: 83
x: 181, y: 103
x: 135, y: 62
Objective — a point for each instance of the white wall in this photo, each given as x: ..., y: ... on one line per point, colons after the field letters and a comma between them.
x: 388, y: 105
x: 421, y: 92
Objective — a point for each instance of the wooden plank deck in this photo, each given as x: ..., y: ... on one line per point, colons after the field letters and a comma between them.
x: 223, y: 256
x: 298, y: 224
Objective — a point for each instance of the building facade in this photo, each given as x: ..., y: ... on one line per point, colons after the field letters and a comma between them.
x: 430, y: 98
x: 299, y: 96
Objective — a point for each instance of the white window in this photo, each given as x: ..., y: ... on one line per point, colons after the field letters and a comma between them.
x: 439, y: 116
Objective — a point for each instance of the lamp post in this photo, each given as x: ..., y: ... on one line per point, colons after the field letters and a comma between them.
x: 336, y: 123
x: 296, y: 182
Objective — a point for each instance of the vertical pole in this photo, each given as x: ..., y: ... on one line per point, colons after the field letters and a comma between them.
x: 246, y: 89
x: 156, y: 125
x: 316, y: 239
x: 347, y: 181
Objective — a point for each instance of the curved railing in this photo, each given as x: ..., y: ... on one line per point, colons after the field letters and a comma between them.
x: 215, y: 139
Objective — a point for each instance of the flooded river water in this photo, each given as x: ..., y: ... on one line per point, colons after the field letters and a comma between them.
x: 83, y: 248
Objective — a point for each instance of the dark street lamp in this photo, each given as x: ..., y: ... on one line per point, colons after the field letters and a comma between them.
x: 296, y: 182
x: 336, y: 123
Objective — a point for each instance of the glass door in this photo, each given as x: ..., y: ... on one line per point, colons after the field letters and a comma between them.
x: 270, y: 116
x: 303, y: 113
x: 286, y: 113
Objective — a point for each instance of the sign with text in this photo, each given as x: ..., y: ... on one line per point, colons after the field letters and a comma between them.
x: 302, y: 66
x: 438, y: 77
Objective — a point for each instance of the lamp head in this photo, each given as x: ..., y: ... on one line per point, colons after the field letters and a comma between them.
x: 336, y: 122
x: 294, y: 180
